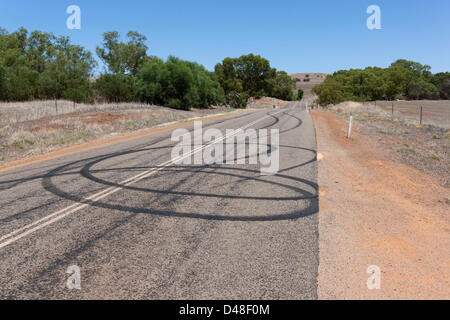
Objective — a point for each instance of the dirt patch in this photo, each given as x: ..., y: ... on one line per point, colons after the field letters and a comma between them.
x: 377, y: 210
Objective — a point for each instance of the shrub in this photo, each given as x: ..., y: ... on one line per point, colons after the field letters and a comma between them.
x: 178, y: 84
x: 116, y: 88
x: 300, y: 94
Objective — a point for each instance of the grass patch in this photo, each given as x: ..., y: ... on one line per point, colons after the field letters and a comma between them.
x: 150, y: 121
x: 23, y: 139
x: 131, y: 125
x: 435, y: 157
x: 407, y: 151
x: 71, y: 137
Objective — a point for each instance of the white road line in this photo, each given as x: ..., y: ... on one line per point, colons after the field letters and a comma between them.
x: 60, y: 214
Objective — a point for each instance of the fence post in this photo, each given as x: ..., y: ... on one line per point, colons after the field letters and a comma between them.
x: 421, y: 114
x: 392, y: 109
x: 350, y: 124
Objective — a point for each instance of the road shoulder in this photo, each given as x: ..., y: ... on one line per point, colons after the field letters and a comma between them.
x: 376, y: 211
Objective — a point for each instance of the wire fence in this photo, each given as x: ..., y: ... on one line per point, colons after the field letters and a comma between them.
x: 422, y: 112
x: 14, y: 112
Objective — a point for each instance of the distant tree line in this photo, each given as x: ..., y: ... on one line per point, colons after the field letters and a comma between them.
x: 402, y: 80
x: 39, y: 65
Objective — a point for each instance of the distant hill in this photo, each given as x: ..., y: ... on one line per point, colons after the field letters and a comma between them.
x: 311, y: 77
x: 307, y: 81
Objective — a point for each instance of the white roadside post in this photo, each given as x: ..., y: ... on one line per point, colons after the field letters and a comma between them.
x: 350, y: 124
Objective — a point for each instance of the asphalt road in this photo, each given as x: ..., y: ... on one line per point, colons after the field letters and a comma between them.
x: 172, y: 232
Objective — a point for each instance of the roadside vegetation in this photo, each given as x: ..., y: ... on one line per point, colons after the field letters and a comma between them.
x: 423, y: 146
x: 402, y: 80
x: 41, y: 66
x: 31, y: 127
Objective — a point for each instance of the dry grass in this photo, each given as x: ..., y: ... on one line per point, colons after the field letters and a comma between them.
x: 434, y: 112
x: 423, y: 146
x: 14, y: 112
x: 31, y: 128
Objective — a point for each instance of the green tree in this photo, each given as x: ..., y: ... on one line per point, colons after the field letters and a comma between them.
x: 123, y: 57
x: 252, y: 75
x: 331, y: 91
x: 415, y: 76
x: 403, y: 79
x: 116, y: 88
x: 442, y: 82
x: 21, y: 82
x: 178, y: 84
x: 300, y: 94
x: 232, y: 86
x: 39, y: 65
x: 3, y: 83
x: 281, y: 86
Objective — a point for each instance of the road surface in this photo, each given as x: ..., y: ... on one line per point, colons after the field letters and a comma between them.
x: 140, y: 228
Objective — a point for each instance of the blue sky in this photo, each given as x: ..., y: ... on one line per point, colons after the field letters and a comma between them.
x: 296, y: 36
